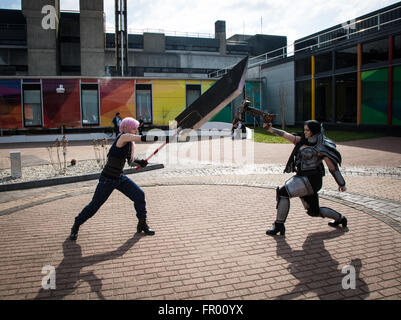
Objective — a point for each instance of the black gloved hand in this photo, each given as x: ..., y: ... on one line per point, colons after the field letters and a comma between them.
x: 143, y: 138
x: 142, y: 163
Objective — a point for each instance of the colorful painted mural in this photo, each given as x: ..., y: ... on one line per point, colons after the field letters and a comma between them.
x: 61, y: 109
x: 10, y: 104
x: 116, y: 95
x: 94, y: 102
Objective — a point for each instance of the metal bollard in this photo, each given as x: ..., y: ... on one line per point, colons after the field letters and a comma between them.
x: 15, y: 159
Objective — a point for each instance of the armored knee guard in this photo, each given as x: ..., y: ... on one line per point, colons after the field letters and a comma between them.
x: 283, y: 206
x: 330, y: 213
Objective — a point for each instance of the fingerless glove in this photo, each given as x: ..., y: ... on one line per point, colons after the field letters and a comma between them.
x: 143, y: 138
x: 142, y: 163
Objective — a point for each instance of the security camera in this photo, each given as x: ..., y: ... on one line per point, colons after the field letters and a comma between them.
x: 60, y: 89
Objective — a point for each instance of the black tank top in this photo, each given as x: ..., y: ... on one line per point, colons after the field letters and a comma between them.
x: 116, y: 160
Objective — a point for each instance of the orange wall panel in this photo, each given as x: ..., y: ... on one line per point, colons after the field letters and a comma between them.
x: 116, y: 96
x: 10, y: 104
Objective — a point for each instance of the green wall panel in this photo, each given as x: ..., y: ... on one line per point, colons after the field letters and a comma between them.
x: 224, y: 115
x: 396, y: 96
x: 374, y: 96
x: 252, y: 92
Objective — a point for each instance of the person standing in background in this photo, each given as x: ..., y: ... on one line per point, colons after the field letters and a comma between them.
x: 116, y: 122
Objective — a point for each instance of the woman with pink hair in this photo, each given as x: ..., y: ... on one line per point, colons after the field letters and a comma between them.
x: 112, y: 177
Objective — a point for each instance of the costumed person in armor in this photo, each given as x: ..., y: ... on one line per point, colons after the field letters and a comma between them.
x: 112, y: 177
x: 235, y: 123
x: 311, y: 148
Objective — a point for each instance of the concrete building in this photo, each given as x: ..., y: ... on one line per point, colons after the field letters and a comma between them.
x: 78, y: 44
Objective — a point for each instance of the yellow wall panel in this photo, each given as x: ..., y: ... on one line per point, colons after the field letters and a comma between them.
x: 206, y: 85
x: 193, y: 81
x: 168, y: 100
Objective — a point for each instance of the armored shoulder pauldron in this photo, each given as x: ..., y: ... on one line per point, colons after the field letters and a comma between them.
x: 328, y: 148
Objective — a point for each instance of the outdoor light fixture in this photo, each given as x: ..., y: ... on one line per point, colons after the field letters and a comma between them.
x: 60, y: 89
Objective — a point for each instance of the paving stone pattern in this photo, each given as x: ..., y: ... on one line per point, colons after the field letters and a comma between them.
x: 210, y: 242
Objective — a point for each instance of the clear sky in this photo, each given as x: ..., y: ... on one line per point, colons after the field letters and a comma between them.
x: 292, y: 18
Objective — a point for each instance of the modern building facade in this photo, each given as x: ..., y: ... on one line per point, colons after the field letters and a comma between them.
x: 347, y: 75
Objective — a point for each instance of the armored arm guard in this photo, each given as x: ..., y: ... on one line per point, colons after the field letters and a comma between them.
x: 328, y: 148
x: 338, y: 177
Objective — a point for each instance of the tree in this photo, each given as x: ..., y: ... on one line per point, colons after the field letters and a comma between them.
x: 283, y: 103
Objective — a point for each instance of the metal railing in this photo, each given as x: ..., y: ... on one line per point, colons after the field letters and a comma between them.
x: 347, y: 30
x: 166, y: 32
x: 12, y: 26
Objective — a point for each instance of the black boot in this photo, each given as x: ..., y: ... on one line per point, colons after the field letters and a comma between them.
x: 143, y: 226
x: 343, y: 221
x: 276, y: 228
x: 74, y: 232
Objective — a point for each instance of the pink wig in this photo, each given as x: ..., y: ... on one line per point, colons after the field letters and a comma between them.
x: 128, y: 124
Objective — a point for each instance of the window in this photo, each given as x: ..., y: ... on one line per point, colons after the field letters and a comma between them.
x: 144, y: 102
x: 374, y: 52
x: 346, y: 98
x: 303, y: 67
x: 323, y: 62
x: 90, y: 104
x: 193, y: 92
x: 347, y: 58
x: 324, y: 94
x: 397, y: 47
x: 32, y: 105
x: 303, y: 100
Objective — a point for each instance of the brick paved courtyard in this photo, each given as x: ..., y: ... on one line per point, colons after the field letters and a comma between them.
x: 210, y: 240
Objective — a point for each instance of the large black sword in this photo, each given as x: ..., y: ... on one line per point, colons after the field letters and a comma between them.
x: 211, y: 102
x: 215, y: 99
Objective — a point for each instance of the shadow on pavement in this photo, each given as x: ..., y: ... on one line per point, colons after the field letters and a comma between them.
x: 388, y: 144
x: 314, y: 268
x: 68, y: 273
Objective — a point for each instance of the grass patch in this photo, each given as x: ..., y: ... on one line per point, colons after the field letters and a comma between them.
x: 261, y: 135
